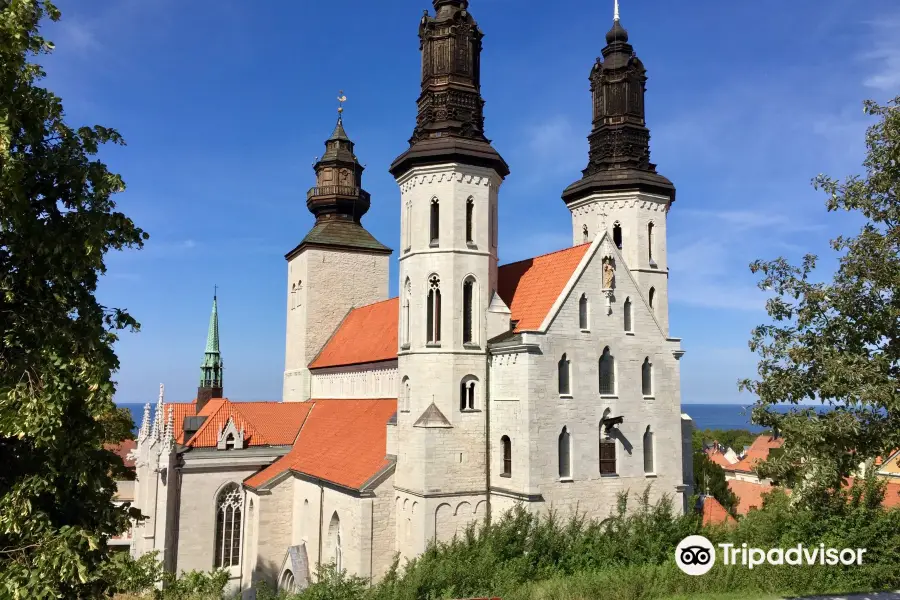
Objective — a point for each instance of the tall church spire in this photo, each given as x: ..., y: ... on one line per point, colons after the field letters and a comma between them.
x: 619, y: 156
x: 212, y: 366
x: 450, y: 120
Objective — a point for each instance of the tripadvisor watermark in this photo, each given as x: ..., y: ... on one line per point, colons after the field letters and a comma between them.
x: 695, y: 555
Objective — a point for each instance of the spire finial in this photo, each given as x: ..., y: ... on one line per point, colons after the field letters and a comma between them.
x: 616, y: 11
x: 341, y: 99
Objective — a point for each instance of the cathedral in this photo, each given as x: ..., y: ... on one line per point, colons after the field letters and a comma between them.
x: 551, y: 382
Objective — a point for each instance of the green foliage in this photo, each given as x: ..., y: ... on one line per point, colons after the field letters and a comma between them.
x: 195, y: 585
x: 709, y: 478
x: 837, y: 341
x: 736, y: 439
x: 630, y: 556
x: 133, y: 576
x: 57, y: 221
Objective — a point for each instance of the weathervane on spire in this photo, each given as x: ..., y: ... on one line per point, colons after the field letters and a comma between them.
x: 341, y: 99
x: 616, y: 11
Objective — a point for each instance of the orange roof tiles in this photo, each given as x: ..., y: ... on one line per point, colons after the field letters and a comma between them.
x: 342, y: 441
x: 749, y: 494
x: 718, y: 458
x: 367, y: 334
x: 714, y: 513
x: 180, y: 410
x: 264, y: 423
x: 530, y: 287
x: 758, y: 451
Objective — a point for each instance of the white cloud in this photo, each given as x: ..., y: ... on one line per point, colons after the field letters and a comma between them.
x: 884, y: 56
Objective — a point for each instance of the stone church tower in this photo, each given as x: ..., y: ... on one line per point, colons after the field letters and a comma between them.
x: 449, y: 180
x: 338, y: 265
x: 620, y: 191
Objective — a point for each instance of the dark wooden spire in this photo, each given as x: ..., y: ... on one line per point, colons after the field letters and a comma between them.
x: 450, y: 120
x: 619, y: 156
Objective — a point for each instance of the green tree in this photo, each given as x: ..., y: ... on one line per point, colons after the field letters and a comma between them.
x: 709, y: 478
x: 57, y: 221
x: 837, y: 341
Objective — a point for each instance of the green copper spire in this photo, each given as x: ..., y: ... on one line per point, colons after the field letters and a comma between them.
x: 211, y: 369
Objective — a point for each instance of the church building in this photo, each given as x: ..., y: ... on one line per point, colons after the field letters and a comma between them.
x: 551, y: 382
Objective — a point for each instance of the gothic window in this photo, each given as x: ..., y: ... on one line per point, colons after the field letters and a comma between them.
x: 647, y: 378
x: 607, y: 373
x: 563, y: 367
x: 287, y: 582
x: 507, y: 456
x: 583, y: 312
x: 404, y: 394
x: 229, y: 442
x: 626, y: 311
x: 470, y: 215
x: 334, y: 539
x: 565, y: 454
x: 407, y: 296
x: 617, y: 235
x: 648, y: 452
x: 651, y: 297
x: 434, y: 310
x: 607, y: 454
x: 229, y: 505
x: 435, y: 221
x: 469, y: 311
x: 650, y: 242
x: 467, y: 393
x: 584, y: 234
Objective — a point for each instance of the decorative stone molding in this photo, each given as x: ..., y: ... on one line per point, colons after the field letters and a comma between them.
x: 231, y: 433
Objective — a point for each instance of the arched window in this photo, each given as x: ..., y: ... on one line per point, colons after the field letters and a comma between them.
x: 408, y: 231
x: 507, y: 456
x: 583, y: 312
x: 584, y: 234
x: 617, y: 234
x: 651, y: 297
x: 470, y: 215
x: 563, y: 367
x: 435, y: 221
x: 404, y: 394
x: 626, y: 313
x: 469, y: 311
x: 293, y: 296
x: 565, y: 454
x: 607, y: 454
x: 334, y: 540
x: 407, y: 297
x: 287, y: 582
x: 434, y: 310
x: 647, y: 378
x: 467, y: 393
x: 229, y: 505
x: 607, y: 373
x: 648, y: 451
x: 650, y: 242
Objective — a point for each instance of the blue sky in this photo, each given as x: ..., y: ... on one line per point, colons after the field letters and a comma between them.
x: 224, y: 105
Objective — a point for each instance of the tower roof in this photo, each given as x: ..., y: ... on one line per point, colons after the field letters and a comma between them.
x: 450, y: 120
x: 212, y: 335
x: 619, y: 156
x: 338, y: 200
x: 212, y: 366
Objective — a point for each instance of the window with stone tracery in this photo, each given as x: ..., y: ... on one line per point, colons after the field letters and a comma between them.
x: 229, y: 508
x: 467, y: 393
x: 434, y: 310
x: 469, y: 311
x: 607, y: 373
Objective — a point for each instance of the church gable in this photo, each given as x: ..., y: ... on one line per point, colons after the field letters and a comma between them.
x: 600, y: 287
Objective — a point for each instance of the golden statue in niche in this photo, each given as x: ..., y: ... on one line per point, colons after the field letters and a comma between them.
x: 609, y: 274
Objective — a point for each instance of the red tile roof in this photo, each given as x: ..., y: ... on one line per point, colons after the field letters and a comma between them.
x: 342, y: 441
x: 714, y: 513
x: 367, y: 334
x: 530, y: 287
x: 749, y: 494
x: 180, y: 410
x: 758, y: 452
x: 891, y: 493
x: 718, y: 458
x: 264, y: 423
x: 122, y: 449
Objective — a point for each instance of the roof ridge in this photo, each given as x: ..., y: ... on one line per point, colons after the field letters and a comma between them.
x: 374, y: 303
x: 205, y: 425
x: 545, y: 254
